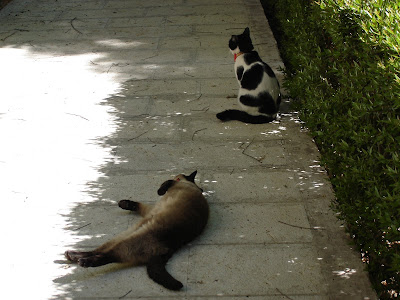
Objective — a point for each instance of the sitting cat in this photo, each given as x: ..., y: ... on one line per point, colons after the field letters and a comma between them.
x: 259, y: 92
x: 179, y: 217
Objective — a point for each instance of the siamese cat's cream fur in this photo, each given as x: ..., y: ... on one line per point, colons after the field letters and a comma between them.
x: 178, y: 218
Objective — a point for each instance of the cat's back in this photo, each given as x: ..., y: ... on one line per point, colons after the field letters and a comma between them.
x: 181, y: 214
x: 183, y: 198
x: 255, y: 76
x: 252, y: 60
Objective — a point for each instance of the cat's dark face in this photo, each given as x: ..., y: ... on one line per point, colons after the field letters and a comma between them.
x: 241, y: 42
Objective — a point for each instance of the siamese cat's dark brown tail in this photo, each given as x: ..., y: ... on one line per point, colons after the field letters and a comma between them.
x: 156, y: 271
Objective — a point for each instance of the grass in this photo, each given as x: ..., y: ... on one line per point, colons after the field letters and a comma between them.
x: 343, y: 72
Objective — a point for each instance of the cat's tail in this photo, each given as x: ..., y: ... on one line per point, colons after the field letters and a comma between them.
x: 156, y: 271
x: 239, y: 115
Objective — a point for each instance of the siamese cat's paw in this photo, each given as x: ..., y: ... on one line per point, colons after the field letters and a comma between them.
x: 92, y: 261
x: 128, y: 205
x: 74, y: 256
x: 86, y: 262
x: 70, y: 255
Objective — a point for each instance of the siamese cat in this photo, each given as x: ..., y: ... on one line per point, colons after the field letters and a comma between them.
x: 178, y: 218
x: 259, y: 91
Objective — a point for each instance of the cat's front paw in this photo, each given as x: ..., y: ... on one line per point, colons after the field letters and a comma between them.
x: 70, y: 255
x: 74, y: 256
x: 223, y: 116
x: 128, y: 205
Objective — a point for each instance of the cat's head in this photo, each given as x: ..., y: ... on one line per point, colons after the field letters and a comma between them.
x: 182, y: 177
x: 241, y: 42
x: 189, y: 178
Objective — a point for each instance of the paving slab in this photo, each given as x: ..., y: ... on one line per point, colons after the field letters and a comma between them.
x: 103, y: 100
x: 286, y: 267
x: 257, y: 223
x: 269, y: 185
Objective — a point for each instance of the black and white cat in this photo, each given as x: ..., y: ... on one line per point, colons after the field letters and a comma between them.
x: 178, y: 218
x: 259, y: 92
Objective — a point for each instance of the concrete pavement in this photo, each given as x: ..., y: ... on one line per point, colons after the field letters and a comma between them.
x: 103, y: 100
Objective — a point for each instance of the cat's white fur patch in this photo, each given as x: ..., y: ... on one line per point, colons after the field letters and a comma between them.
x: 267, y: 83
x: 235, y: 51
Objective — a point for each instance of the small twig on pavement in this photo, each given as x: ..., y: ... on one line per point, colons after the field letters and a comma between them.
x: 4, y: 39
x: 301, y: 227
x: 73, y: 27
x: 77, y: 116
x: 112, y: 65
x: 255, y: 158
x: 201, y: 95
x: 125, y: 295
x: 138, y: 136
x: 150, y: 57
x: 203, y: 109
x: 194, y: 133
x: 283, y: 294
x: 82, y: 227
x: 152, y: 142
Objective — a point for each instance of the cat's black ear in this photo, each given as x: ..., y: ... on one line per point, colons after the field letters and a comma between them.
x: 191, y: 176
x: 247, y: 31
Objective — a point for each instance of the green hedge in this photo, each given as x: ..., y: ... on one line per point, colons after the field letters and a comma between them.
x: 343, y: 72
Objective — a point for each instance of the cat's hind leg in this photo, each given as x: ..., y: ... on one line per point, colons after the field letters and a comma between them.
x: 156, y: 271
x: 96, y: 260
x: 90, y: 258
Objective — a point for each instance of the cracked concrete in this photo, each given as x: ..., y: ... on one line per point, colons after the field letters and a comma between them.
x: 103, y: 100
